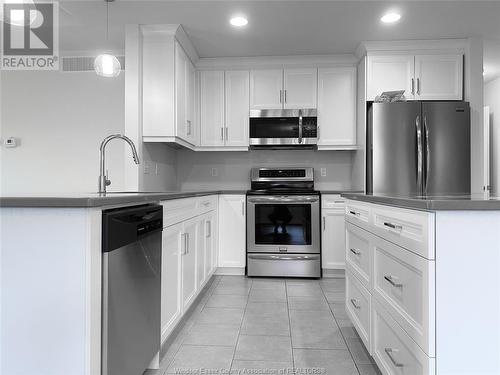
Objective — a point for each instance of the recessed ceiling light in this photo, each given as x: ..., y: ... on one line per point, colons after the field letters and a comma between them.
x: 390, y: 17
x: 239, y: 21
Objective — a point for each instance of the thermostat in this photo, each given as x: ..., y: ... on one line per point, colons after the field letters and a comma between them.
x: 10, y: 142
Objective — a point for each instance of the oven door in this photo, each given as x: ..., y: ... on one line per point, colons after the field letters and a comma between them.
x: 283, y: 224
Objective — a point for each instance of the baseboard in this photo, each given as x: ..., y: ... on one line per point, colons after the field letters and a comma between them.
x: 230, y: 271
x: 333, y: 273
x: 182, y: 321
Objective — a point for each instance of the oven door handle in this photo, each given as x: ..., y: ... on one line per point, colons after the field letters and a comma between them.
x: 282, y: 257
x: 296, y: 199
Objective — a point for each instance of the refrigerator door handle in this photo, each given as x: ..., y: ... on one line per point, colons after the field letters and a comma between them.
x: 419, y: 152
x: 427, y: 154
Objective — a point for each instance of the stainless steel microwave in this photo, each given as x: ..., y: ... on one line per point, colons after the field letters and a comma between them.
x: 277, y: 128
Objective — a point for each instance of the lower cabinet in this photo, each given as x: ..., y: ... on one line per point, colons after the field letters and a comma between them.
x: 333, y: 232
x: 232, y: 232
x: 188, y: 256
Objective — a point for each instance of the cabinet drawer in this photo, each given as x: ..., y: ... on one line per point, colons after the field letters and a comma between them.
x: 208, y: 203
x: 332, y: 201
x: 358, y: 307
x: 358, y: 253
x: 393, y: 350
x: 177, y: 210
x: 413, y: 230
x: 404, y: 283
x: 358, y: 213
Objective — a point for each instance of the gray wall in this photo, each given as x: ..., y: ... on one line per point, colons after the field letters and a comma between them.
x: 194, y: 169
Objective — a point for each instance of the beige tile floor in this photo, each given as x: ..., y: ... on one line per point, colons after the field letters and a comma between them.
x: 268, y: 324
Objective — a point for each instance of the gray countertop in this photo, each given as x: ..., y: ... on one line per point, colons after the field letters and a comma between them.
x: 112, y: 198
x: 432, y: 203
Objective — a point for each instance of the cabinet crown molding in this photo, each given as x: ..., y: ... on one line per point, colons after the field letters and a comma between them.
x: 403, y: 46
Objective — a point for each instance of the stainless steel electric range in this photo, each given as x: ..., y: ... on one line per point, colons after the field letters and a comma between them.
x: 283, y: 223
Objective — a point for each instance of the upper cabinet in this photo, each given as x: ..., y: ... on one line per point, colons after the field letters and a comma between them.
x: 278, y: 89
x: 224, y: 107
x: 300, y: 88
x: 337, y: 107
x: 439, y: 77
x: 237, y: 101
x: 423, y: 77
x: 185, y: 77
x: 212, y: 108
x: 266, y: 89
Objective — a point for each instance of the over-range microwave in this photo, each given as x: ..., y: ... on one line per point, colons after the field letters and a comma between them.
x: 283, y: 128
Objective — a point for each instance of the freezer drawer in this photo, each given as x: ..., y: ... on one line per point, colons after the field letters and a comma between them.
x: 284, y: 265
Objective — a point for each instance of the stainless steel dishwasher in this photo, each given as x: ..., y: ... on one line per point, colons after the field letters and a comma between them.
x: 131, y: 294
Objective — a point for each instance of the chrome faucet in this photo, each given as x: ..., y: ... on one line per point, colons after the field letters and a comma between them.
x: 103, y: 175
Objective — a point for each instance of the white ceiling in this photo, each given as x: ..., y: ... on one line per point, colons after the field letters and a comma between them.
x: 284, y: 27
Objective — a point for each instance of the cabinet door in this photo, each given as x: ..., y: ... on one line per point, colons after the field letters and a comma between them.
x: 237, y: 107
x: 212, y: 108
x: 333, y: 239
x: 439, y: 77
x: 189, y: 262
x: 171, y: 307
x: 190, y: 100
x: 180, y: 91
x: 201, y: 260
x: 209, y: 240
x: 337, y: 106
x: 300, y: 88
x: 232, y: 231
x: 390, y: 73
x: 266, y: 89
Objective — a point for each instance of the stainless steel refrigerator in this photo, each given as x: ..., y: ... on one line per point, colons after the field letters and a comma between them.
x: 418, y: 148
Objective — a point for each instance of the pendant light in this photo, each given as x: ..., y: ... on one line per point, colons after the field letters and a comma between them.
x: 107, y: 65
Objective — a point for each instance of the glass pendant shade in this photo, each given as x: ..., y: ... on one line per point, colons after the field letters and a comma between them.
x: 106, y: 65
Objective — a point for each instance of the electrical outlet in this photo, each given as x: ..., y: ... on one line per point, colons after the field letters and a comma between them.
x: 215, y: 172
x: 157, y: 169
x: 323, y: 172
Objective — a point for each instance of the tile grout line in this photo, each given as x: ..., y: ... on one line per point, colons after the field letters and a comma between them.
x: 341, y: 333
x: 241, y: 325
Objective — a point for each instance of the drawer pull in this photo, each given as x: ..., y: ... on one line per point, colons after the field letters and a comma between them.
x: 355, y: 252
x: 206, y: 204
x: 393, y: 226
x: 354, y: 213
x: 389, y: 353
x: 355, y: 303
x: 390, y: 280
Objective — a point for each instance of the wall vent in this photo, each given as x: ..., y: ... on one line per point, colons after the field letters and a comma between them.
x: 83, y: 63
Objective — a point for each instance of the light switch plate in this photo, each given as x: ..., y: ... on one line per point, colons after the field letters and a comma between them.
x: 323, y: 172
x: 215, y: 172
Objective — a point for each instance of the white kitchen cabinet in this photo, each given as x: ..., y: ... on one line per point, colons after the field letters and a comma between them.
x: 266, y: 89
x: 300, y: 88
x: 390, y: 73
x: 439, y: 77
x: 171, y: 307
x: 423, y: 77
x: 232, y: 230
x: 237, y: 101
x: 337, y: 106
x: 212, y: 108
x: 333, y: 233
x: 189, y: 287
x: 180, y: 91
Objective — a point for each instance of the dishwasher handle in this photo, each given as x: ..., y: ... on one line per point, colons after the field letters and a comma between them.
x: 123, y: 226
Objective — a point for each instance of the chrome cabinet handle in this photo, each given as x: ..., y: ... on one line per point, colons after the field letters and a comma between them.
x: 222, y: 133
x: 300, y: 126
x: 354, y: 213
x: 418, y: 86
x: 187, y: 243
x: 324, y: 223
x: 242, y: 208
x: 281, y: 94
x: 428, y: 154
x: 390, y: 279
x: 393, y: 226
x: 413, y: 86
x: 285, y: 96
x: 209, y: 229
x: 354, y: 302
x: 389, y: 352
x: 226, y: 133
x: 355, y: 252
x: 183, y: 252
x: 188, y: 123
